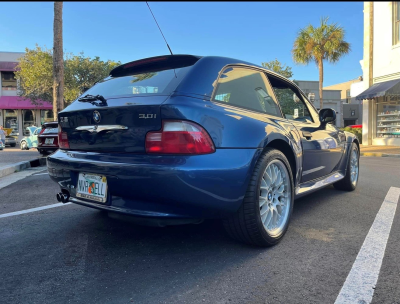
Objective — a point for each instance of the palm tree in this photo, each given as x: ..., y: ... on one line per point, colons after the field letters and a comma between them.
x: 318, y: 44
x: 58, y: 63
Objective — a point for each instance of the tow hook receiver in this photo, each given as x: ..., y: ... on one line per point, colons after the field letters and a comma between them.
x: 62, y: 197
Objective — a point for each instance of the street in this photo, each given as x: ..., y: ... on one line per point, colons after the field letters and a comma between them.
x: 75, y: 254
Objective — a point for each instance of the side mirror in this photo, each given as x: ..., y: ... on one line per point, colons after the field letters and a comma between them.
x: 327, y: 116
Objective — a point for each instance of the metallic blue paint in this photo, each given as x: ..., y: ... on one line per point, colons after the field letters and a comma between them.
x: 200, y: 186
x: 176, y: 186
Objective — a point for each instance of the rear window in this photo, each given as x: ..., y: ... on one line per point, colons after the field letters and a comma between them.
x: 161, y: 83
x: 50, y: 130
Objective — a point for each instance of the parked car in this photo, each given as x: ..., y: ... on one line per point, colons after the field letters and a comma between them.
x: 30, y: 141
x: 11, y: 141
x: 178, y: 139
x: 48, y: 138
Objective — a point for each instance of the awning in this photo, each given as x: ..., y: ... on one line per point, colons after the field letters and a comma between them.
x: 387, y: 88
x: 16, y: 103
x: 8, y: 66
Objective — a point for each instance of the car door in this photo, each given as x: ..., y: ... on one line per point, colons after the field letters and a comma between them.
x: 323, y: 145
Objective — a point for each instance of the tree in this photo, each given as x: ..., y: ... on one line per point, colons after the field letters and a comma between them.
x: 58, y: 64
x: 35, y: 74
x: 82, y: 72
x: 277, y: 67
x: 317, y: 44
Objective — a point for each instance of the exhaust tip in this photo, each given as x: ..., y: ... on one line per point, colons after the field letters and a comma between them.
x: 62, y: 197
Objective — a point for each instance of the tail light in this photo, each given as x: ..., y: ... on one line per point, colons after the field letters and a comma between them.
x: 179, y: 137
x: 41, y: 131
x: 62, y: 139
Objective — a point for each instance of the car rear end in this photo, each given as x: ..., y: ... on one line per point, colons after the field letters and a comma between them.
x: 48, y: 138
x: 136, y: 155
x: 11, y: 141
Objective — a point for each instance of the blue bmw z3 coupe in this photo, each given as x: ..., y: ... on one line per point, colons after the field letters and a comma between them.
x: 178, y: 139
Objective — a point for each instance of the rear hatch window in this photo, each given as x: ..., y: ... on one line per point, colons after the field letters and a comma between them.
x: 160, y: 83
x: 134, y: 93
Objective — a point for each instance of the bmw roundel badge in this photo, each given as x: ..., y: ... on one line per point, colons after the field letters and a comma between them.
x: 96, y: 116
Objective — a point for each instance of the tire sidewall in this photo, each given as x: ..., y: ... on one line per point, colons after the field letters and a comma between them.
x: 353, y: 147
x: 264, y: 162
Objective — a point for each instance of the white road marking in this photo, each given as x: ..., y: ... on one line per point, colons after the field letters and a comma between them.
x: 33, y: 210
x: 360, y: 283
x: 12, y: 178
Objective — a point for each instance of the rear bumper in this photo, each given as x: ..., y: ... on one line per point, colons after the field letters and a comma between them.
x: 202, y: 186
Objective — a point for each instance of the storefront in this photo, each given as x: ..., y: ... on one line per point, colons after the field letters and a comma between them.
x: 17, y: 114
x: 382, y: 103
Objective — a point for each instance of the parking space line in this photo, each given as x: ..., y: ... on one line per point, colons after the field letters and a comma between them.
x: 32, y: 210
x: 360, y: 282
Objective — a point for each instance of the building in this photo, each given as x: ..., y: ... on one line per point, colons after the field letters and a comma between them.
x: 352, y: 108
x: 380, y: 89
x: 331, y: 98
x: 344, y: 87
x: 15, y: 112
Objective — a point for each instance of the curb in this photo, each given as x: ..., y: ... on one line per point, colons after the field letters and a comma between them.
x: 377, y: 154
x: 16, y: 167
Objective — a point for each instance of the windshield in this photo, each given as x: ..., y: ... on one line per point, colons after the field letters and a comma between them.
x: 161, y: 83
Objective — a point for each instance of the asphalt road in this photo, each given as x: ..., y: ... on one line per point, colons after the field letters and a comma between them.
x: 74, y: 254
x: 11, y: 155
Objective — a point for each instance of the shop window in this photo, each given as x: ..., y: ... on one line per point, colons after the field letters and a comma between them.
x: 396, y: 23
x: 46, y: 116
x: 388, y: 119
x: 8, y: 81
x: 28, y: 120
x: 11, y: 121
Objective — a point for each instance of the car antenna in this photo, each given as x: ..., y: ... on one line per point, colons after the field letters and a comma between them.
x: 161, y: 33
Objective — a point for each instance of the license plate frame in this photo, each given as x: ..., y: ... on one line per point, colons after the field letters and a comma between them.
x: 92, y: 187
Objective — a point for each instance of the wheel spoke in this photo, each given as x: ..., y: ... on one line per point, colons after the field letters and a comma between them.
x: 268, y: 218
x: 264, y: 184
x: 262, y: 201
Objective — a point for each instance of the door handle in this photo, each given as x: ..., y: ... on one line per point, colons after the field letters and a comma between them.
x: 307, y: 134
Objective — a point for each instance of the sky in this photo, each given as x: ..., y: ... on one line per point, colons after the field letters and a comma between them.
x: 125, y: 31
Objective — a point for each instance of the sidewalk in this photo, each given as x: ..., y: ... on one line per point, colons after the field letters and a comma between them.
x: 14, y: 160
x: 380, y: 151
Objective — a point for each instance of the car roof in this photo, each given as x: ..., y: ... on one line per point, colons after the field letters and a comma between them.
x: 49, y: 123
x: 199, y: 81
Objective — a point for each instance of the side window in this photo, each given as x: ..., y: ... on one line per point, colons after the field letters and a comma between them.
x: 291, y: 103
x: 246, y: 88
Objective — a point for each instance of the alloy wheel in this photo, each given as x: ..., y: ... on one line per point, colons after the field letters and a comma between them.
x: 275, y: 197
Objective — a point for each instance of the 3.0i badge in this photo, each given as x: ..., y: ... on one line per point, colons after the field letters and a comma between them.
x: 96, y: 116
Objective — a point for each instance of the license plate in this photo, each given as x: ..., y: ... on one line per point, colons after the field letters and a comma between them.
x: 92, y: 187
x: 49, y: 141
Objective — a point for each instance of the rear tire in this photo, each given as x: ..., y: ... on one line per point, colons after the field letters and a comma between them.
x: 258, y: 221
x: 349, y: 182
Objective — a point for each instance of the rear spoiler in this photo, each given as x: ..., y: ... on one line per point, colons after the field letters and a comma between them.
x: 154, y: 64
